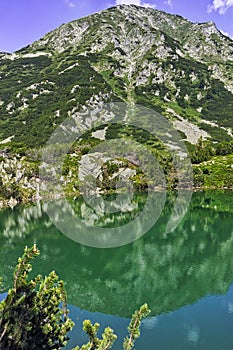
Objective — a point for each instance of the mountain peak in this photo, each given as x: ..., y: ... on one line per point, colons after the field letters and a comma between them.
x: 139, y: 54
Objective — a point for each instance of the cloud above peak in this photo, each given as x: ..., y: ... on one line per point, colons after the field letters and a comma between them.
x: 220, y: 6
x: 226, y: 34
x: 168, y: 3
x: 69, y: 3
x: 135, y: 2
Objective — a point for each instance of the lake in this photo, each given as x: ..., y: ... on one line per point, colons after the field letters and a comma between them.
x: 185, y: 276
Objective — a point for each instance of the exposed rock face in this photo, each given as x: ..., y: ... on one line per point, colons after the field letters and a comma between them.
x: 18, y: 181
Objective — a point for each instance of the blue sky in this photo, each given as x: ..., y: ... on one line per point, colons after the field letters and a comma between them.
x: 24, y: 21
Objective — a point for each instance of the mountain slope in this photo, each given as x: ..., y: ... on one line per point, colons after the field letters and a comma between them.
x: 127, y: 53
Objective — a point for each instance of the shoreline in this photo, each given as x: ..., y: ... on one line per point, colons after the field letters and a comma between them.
x: 13, y: 202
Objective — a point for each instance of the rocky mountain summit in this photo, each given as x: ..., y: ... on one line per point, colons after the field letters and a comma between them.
x: 128, y: 54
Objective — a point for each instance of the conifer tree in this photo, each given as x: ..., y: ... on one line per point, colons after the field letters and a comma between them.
x: 31, y: 316
x: 34, y: 314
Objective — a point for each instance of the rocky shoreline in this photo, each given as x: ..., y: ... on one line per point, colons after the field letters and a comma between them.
x: 20, y: 182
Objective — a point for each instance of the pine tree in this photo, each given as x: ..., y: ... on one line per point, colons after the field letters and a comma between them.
x: 30, y: 316
x: 34, y: 314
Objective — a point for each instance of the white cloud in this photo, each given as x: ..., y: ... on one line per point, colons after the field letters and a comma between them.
x: 148, y: 4
x: 135, y: 2
x: 169, y: 3
x: 226, y: 34
x: 220, y: 6
x: 128, y: 2
x: 69, y: 3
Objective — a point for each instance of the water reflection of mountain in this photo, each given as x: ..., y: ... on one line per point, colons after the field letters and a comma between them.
x: 166, y: 271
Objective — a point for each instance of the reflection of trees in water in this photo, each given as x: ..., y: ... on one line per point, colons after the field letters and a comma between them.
x: 167, y: 271
x: 109, y: 211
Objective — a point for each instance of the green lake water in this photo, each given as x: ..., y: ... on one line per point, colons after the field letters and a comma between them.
x: 185, y: 276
